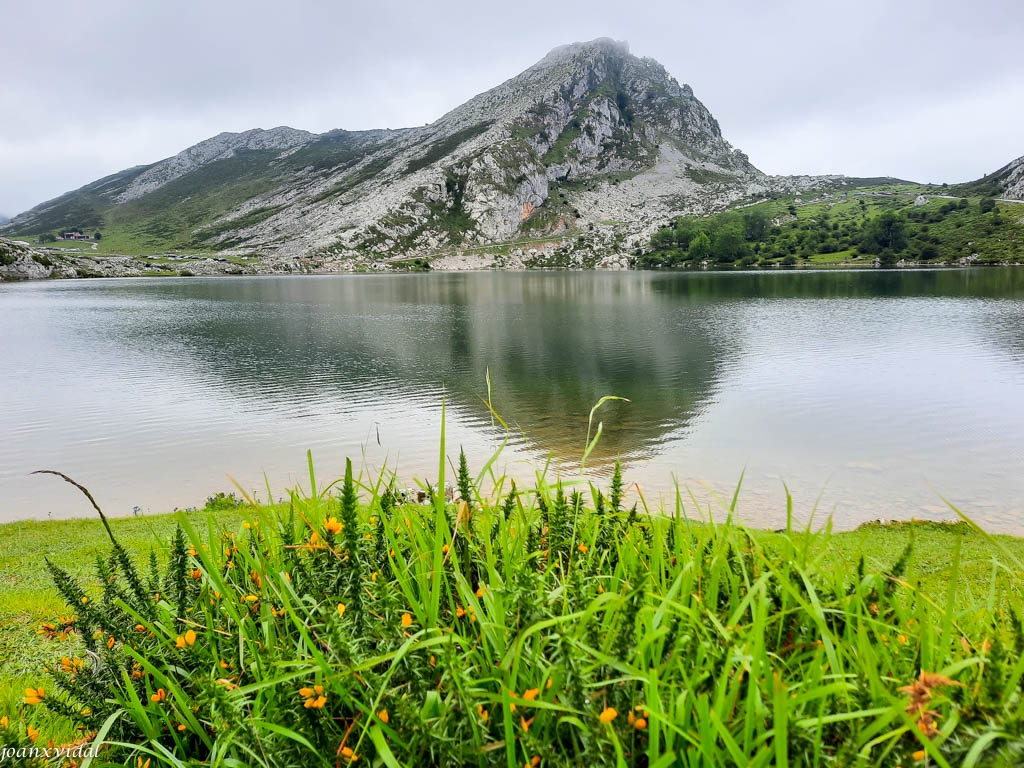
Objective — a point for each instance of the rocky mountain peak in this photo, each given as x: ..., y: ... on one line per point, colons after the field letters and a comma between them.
x: 601, y: 46
x: 589, y: 134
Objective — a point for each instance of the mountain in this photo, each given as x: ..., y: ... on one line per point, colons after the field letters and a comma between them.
x: 1006, y: 183
x: 4, y: 219
x: 589, y: 150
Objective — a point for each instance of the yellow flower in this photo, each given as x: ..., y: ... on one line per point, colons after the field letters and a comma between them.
x: 190, y: 637
x: 179, y: 642
x: 406, y: 620
x: 4, y: 721
x: 34, y: 696
x: 607, y: 715
x: 341, y: 609
x: 85, y: 600
x: 383, y: 716
x: 460, y: 612
x: 483, y: 713
x: 140, y: 764
x: 332, y: 526
x: 531, y: 693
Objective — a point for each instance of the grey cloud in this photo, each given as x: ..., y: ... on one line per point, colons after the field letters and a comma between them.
x: 924, y: 90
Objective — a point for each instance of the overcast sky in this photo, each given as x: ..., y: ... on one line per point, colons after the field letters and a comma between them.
x: 929, y: 90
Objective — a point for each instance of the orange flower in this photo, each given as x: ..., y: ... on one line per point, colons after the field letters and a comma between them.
x: 4, y: 721
x: 33, y: 733
x: 190, y: 637
x: 582, y: 549
x: 460, y: 612
x: 314, y: 697
x: 179, y: 642
x: 531, y: 693
x: 919, y: 755
x: 159, y: 696
x: 34, y: 696
x: 607, y: 715
x: 110, y: 642
x: 406, y: 620
x: 640, y: 724
x: 525, y: 724
x: 483, y: 713
x: 383, y: 716
x: 140, y: 764
x: 349, y: 754
x: 332, y: 526
x: 197, y: 573
x: 181, y: 726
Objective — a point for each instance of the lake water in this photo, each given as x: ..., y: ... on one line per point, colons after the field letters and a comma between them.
x: 870, y: 394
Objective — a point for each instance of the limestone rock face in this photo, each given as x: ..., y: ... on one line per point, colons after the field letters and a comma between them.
x: 1013, y: 186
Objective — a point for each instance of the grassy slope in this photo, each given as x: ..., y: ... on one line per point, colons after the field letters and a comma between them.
x: 955, y: 231
x: 27, y: 596
x: 174, y: 216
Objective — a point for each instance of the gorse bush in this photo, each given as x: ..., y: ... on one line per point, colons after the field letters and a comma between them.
x: 542, y: 626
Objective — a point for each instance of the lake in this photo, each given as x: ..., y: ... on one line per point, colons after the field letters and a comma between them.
x: 869, y: 394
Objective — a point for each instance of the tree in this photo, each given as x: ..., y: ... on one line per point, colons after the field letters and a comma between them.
x: 755, y: 225
x: 986, y: 204
x: 700, y: 247
x: 728, y: 245
x: 884, y: 232
x: 686, y: 230
x: 98, y: 236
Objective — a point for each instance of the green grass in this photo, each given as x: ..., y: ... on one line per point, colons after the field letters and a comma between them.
x: 543, y: 609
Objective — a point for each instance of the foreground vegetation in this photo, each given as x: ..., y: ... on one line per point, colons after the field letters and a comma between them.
x: 543, y: 626
x: 858, y: 226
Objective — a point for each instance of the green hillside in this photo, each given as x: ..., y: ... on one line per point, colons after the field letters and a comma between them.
x: 853, y: 227
x: 184, y: 213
